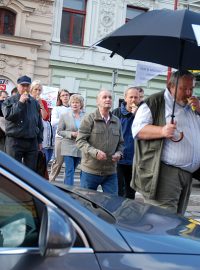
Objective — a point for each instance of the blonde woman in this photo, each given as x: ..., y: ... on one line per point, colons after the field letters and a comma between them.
x: 35, y: 92
x: 68, y: 128
x: 61, y: 107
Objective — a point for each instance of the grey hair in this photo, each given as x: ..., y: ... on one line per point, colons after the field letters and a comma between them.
x: 102, y: 90
x: 139, y: 89
x: 77, y: 97
x: 179, y: 74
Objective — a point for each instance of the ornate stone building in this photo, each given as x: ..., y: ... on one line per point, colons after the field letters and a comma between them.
x: 81, y: 67
x: 25, y: 35
x: 53, y: 40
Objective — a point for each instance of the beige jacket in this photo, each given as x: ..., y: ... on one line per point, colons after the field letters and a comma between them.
x: 66, y: 126
x: 95, y: 134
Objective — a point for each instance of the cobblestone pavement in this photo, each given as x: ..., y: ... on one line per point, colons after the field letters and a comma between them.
x: 193, y: 209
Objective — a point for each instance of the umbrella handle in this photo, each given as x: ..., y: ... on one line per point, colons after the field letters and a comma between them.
x: 178, y: 139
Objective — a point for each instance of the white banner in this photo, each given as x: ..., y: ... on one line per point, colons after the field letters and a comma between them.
x: 196, y: 29
x: 147, y: 71
x: 50, y: 95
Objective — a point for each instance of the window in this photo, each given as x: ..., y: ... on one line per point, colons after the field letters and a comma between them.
x: 19, y: 220
x: 7, y: 22
x: 132, y: 12
x: 73, y: 22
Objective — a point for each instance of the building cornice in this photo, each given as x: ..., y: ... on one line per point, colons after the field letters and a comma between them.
x: 21, y: 41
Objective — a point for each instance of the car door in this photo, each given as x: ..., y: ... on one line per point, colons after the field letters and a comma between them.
x: 21, y: 212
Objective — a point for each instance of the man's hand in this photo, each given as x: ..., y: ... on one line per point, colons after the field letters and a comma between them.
x: 134, y: 108
x: 116, y: 157
x: 101, y: 155
x: 168, y: 130
x: 23, y: 98
x: 194, y: 103
x: 74, y: 134
x: 40, y: 146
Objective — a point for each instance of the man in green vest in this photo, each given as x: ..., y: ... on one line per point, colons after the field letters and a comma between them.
x: 162, y: 169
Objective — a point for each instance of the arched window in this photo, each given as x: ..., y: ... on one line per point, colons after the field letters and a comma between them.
x: 73, y: 22
x: 7, y: 22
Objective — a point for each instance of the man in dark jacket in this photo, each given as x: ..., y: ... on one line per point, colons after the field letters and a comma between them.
x: 23, y: 127
x: 126, y: 113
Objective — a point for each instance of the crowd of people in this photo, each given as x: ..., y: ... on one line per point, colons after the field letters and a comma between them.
x: 128, y: 149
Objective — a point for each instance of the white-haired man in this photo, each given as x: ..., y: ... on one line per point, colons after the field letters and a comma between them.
x: 101, y: 141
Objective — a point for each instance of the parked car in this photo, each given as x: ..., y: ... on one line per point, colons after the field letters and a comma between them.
x: 45, y: 226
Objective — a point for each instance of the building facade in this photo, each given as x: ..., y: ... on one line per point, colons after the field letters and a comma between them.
x: 54, y: 41
x: 25, y: 36
x: 80, y: 66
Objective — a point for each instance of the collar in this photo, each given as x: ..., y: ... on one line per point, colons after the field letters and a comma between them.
x: 105, y: 119
x: 124, y: 111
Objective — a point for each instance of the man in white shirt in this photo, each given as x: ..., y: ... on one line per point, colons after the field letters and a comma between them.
x: 163, y: 168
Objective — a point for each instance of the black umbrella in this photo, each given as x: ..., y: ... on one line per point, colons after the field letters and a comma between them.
x: 163, y: 36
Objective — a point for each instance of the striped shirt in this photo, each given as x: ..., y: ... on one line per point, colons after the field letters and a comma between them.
x: 186, y: 153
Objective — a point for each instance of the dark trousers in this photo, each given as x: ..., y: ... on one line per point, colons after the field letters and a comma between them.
x: 124, y: 174
x: 173, y: 189
x: 23, y: 150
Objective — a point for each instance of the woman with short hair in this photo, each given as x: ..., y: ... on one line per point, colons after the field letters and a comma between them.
x: 68, y: 128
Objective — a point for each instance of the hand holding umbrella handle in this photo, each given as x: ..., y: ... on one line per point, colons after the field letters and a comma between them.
x: 181, y: 134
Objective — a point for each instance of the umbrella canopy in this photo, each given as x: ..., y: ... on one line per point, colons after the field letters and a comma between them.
x: 163, y: 36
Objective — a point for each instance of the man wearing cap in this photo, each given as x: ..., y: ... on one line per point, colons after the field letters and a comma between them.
x: 23, y: 128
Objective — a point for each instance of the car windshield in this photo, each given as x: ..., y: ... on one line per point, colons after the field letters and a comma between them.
x: 90, y: 205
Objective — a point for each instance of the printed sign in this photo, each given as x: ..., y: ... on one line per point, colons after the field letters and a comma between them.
x: 50, y: 95
x: 2, y: 87
x: 147, y: 71
x: 6, y: 84
x: 196, y: 29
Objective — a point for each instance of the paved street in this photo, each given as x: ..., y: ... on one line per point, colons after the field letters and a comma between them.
x: 193, y: 209
x: 194, y: 203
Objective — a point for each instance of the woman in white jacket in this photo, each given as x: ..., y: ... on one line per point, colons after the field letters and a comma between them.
x: 60, y: 108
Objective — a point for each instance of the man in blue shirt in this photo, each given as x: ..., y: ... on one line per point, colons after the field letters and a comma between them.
x: 126, y: 113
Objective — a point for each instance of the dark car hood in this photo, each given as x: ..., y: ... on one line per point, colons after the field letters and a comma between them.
x: 147, y: 228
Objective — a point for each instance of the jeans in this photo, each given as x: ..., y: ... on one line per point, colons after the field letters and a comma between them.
x: 48, y: 154
x: 109, y: 183
x: 70, y: 165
